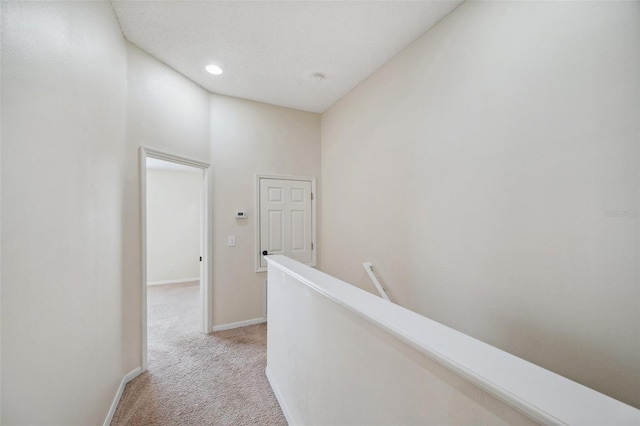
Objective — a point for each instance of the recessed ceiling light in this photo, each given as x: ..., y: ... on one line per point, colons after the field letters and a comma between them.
x: 213, y: 69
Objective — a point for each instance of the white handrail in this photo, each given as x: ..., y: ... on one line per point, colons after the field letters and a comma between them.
x: 368, y: 266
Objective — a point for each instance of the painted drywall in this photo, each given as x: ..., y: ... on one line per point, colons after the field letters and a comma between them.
x: 89, y: 311
x: 248, y: 138
x: 491, y: 174
x: 63, y: 146
x: 174, y: 205
x: 71, y: 263
x: 166, y: 112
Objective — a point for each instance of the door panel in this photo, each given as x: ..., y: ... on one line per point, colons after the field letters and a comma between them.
x: 297, y: 230
x: 297, y: 195
x: 276, y: 232
x: 285, y: 218
x: 275, y: 195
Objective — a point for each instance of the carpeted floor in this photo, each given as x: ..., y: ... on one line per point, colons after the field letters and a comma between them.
x: 197, y: 379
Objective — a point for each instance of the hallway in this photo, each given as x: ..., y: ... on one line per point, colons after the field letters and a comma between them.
x: 197, y: 379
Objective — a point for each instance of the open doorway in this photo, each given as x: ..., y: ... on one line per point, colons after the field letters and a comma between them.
x: 175, y: 246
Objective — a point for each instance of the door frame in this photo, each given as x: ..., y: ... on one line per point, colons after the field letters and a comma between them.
x: 314, y: 200
x: 206, y: 290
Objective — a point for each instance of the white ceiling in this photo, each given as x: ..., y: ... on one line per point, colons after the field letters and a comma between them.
x: 270, y: 49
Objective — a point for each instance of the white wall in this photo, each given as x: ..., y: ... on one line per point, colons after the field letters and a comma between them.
x: 173, y: 225
x: 166, y: 112
x: 238, y: 138
x: 71, y: 264
x: 71, y: 260
x: 475, y: 170
x: 247, y: 138
x: 63, y: 147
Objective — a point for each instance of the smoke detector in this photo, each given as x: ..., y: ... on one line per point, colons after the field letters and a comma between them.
x: 318, y: 77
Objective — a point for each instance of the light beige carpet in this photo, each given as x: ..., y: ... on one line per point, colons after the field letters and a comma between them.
x: 197, y: 379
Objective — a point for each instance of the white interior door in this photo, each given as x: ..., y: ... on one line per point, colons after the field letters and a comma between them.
x: 285, y: 219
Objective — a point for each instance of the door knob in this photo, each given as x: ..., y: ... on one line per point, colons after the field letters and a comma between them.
x: 264, y: 252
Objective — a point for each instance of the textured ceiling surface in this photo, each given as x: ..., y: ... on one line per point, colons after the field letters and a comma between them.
x: 269, y: 50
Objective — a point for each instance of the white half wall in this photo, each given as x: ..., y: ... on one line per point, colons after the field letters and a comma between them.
x: 174, y: 200
x: 491, y: 174
x: 337, y: 355
x: 329, y: 366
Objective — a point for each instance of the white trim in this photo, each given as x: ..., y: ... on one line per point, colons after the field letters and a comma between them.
x: 206, y: 287
x: 231, y: 325
x: 142, y: 190
x: 114, y: 405
x: 179, y: 280
x: 206, y: 302
x: 314, y: 217
x: 280, y: 398
x: 161, y: 155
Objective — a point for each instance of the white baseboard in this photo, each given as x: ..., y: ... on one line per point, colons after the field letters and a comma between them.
x: 126, y: 379
x: 238, y: 324
x: 179, y: 280
x: 279, y: 397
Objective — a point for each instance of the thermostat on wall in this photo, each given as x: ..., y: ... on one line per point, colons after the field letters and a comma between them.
x: 241, y: 214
